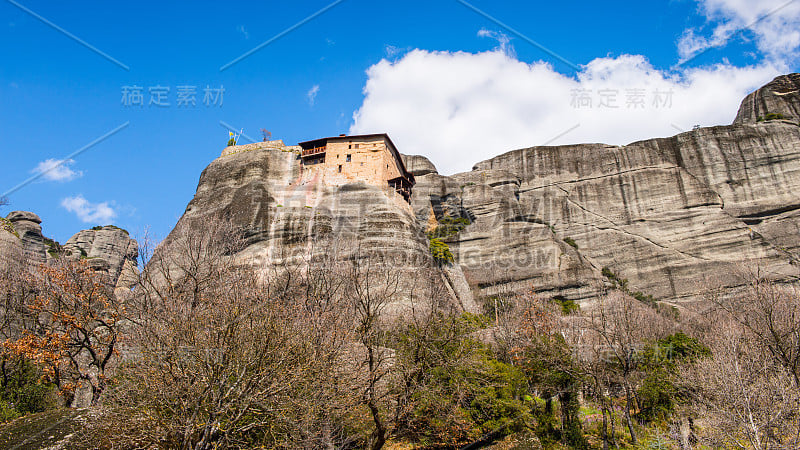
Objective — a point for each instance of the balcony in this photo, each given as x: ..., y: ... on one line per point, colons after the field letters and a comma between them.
x: 312, y: 151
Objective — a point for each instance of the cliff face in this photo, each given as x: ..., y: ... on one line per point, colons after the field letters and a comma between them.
x: 109, y: 249
x: 671, y: 215
x: 780, y: 96
x: 27, y: 227
x: 285, y: 216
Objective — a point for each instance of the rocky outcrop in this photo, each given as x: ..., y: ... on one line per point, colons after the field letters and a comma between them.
x: 107, y: 249
x: 418, y: 165
x: 27, y: 227
x: 285, y: 216
x: 11, y: 250
x: 780, y: 96
x: 671, y: 215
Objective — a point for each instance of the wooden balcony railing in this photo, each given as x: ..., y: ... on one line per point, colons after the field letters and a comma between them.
x: 313, y: 151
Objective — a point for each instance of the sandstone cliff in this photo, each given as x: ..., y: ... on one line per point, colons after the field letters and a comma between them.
x: 780, y: 96
x: 107, y: 249
x: 671, y: 215
x: 285, y: 216
x: 27, y: 227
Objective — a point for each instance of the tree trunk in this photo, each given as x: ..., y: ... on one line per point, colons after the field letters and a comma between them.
x: 605, y: 426
x: 378, y: 438
x: 628, y: 413
x: 571, y: 432
x: 613, y: 427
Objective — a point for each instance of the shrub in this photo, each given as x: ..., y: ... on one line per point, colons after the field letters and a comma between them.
x: 616, y: 281
x: 770, y: 116
x: 448, y: 226
x: 475, y: 321
x: 24, y: 390
x: 570, y: 242
x: 440, y: 251
x: 656, y: 395
x: 684, y: 348
x: 53, y: 247
x: 8, y: 412
x: 231, y: 142
x: 6, y: 225
x: 567, y: 306
x: 658, y: 392
x: 458, y: 391
x: 644, y: 298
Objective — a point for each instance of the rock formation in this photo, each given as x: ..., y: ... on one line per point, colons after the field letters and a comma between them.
x: 671, y: 215
x: 780, y: 96
x: 26, y: 226
x: 108, y: 249
x: 261, y: 190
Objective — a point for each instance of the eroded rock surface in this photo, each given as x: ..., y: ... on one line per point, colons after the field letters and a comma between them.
x: 780, y: 96
x: 672, y: 215
x: 285, y: 216
x: 107, y: 249
x: 27, y: 227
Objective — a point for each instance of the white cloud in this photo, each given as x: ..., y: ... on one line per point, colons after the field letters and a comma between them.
x: 459, y: 108
x: 774, y: 25
x: 57, y: 170
x: 99, y: 213
x: 503, y: 41
x: 311, y: 95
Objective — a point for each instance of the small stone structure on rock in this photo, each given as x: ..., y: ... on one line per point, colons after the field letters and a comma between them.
x: 335, y: 161
x: 372, y: 158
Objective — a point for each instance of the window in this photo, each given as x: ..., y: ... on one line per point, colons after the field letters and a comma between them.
x: 350, y: 146
x: 356, y: 145
x: 349, y: 157
x: 362, y: 163
x: 340, y: 168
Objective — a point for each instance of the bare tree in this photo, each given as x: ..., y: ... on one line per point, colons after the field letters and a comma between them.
x: 620, y: 326
x: 748, y: 392
x: 220, y: 355
x: 373, y: 284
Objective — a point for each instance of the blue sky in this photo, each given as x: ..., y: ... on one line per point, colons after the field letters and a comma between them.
x: 440, y: 78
